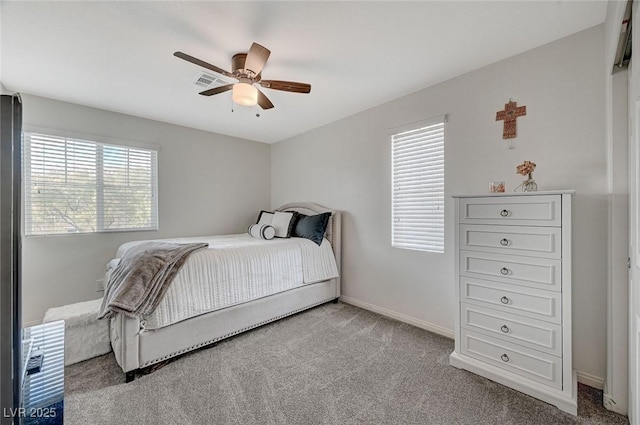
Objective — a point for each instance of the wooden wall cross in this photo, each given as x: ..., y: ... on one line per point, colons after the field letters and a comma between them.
x: 509, y: 115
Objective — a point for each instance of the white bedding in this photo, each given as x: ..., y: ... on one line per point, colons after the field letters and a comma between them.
x: 236, y: 269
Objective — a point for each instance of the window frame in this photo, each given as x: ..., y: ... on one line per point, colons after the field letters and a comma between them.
x: 438, y: 248
x: 101, y: 140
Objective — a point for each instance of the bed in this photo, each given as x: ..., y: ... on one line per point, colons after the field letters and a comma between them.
x: 138, y: 344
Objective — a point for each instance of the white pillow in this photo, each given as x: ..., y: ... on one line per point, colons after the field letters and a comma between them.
x: 265, y: 218
x: 281, y: 222
x: 261, y: 231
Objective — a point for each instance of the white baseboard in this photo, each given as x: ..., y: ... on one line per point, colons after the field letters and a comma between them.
x: 399, y: 316
x: 591, y: 380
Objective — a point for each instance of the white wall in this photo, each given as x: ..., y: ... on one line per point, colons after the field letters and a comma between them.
x: 346, y: 165
x: 208, y: 184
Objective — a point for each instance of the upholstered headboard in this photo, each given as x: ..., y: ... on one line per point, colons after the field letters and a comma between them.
x: 334, y: 227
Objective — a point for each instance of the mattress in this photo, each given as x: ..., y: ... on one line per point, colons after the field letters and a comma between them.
x: 236, y: 269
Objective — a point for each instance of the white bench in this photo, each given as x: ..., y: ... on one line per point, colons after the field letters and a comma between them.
x: 85, y: 336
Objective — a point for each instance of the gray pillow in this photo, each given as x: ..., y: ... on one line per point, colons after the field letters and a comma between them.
x: 311, y: 227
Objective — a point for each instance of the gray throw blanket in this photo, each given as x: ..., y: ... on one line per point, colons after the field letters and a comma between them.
x: 142, y: 277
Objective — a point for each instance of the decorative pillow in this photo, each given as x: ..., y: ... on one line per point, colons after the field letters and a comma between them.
x: 262, y: 231
x: 296, y: 217
x: 282, y: 223
x: 265, y: 217
x: 312, y: 227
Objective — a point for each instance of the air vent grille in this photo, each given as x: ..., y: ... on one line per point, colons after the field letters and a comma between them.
x: 207, y: 80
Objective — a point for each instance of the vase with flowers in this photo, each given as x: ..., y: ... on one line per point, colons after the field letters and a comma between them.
x: 526, y: 169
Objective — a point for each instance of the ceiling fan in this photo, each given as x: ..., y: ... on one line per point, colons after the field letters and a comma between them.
x: 247, y: 68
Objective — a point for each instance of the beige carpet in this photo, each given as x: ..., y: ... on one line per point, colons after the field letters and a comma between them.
x: 335, y: 364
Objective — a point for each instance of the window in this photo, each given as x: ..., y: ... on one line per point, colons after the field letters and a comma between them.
x: 417, y: 178
x: 82, y: 186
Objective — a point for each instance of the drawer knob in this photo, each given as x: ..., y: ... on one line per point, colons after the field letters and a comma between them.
x: 504, y: 358
x: 505, y: 329
x: 504, y: 300
x: 505, y: 213
x: 504, y: 242
x: 504, y: 271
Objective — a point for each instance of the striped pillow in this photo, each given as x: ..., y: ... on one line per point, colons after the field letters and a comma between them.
x: 261, y: 231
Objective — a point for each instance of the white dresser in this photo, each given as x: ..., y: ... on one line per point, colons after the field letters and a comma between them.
x: 513, y: 277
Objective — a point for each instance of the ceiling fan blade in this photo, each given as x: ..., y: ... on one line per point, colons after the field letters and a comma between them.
x: 264, y: 101
x: 217, y: 90
x: 256, y: 58
x: 286, y: 86
x: 203, y: 64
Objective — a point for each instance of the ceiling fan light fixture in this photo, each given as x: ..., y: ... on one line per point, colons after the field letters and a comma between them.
x: 245, y: 94
x: 247, y: 69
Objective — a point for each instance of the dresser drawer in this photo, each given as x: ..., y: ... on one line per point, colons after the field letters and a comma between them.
x: 530, y: 333
x: 535, y: 365
x: 513, y: 210
x: 529, y: 302
x: 542, y: 273
x: 533, y: 241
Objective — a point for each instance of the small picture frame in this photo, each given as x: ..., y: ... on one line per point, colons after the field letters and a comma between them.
x: 496, y: 187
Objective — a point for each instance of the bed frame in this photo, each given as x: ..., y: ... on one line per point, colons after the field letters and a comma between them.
x: 136, y: 348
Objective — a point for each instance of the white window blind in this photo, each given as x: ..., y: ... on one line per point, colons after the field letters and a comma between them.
x: 417, y: 206
x: 82, y: 186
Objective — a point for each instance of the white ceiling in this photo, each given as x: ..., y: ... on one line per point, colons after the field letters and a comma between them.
x: 119, y: 55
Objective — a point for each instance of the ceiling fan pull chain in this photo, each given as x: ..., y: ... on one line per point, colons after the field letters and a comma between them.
x: 257, y: 112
